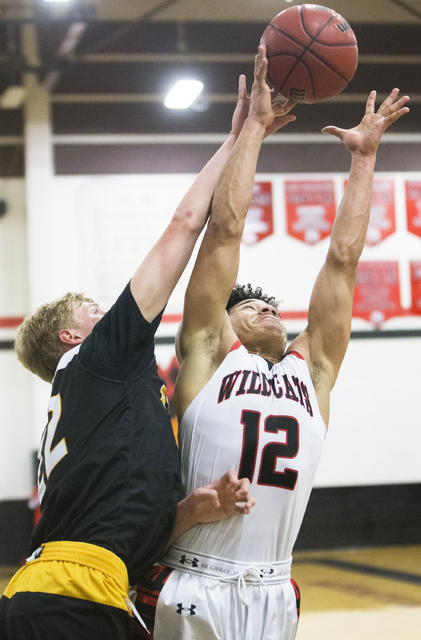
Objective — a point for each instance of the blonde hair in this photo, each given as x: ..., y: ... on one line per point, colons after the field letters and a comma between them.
x: 38, y: 346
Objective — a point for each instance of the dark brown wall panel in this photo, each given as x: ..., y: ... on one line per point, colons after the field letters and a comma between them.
x: 190, y: 158
x: 11, y: 161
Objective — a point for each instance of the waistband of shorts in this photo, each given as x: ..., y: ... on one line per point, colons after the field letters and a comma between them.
x: 85, y: 554
x: 216, y: 567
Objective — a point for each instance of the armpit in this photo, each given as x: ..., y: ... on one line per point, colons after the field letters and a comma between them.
x: 317, y: 372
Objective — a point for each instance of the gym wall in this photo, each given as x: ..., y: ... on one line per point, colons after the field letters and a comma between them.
x: 102, y: 180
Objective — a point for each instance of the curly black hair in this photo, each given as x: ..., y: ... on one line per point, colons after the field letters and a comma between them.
x: 246, y: 292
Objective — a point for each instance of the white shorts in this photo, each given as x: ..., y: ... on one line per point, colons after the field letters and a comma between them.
x: 208, y: 598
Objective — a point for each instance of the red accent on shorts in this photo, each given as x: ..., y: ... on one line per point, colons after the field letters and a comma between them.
x: 297, y: 596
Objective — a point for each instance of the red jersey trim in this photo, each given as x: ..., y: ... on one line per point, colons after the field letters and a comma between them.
x: 235, y: 346
x: 295, y: 353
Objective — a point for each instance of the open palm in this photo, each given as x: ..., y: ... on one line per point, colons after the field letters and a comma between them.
x: 365, y: 137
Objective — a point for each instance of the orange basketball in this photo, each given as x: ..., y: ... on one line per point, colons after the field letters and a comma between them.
x: 312, y: 53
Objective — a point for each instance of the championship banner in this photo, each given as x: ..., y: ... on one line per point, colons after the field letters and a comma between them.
x: 382, y: 216
x: 259, y: 221
x: 416, y: 287
x: 413, y: 206
x: 310, y: 209
x: 377, y: 292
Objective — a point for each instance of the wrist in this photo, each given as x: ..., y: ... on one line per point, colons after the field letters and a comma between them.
x: 363, y: 164
x: 232, y: 137
x: 254, y: 123
x: 364, y: 158
x: 186, y: 512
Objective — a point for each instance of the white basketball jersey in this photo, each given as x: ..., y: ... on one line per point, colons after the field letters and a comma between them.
x: 263, y: 421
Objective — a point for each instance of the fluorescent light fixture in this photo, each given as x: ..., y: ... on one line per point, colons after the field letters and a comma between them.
x: 56, y: 0
x: 13, y: 97
x: 183, y: 94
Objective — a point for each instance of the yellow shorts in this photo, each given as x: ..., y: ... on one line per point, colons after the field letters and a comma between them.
x: 66, y: 586
x: 74, y: 569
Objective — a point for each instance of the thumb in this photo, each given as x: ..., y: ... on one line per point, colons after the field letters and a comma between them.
x: 334, y: 131
x: 278, y: 123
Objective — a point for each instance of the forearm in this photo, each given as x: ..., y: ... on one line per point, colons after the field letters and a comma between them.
x: 185, y: 519
x: 351, y: 222
x: 195, y: 204
x: 235, y: 186
x: 155, y: 279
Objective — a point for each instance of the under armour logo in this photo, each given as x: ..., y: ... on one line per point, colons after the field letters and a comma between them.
x: 185, y: 560
x: 266, y: 573
x: 191, y: 609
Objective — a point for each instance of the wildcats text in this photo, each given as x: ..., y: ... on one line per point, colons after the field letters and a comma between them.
x: 254, y: 382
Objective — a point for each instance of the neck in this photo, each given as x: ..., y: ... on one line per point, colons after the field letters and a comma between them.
x: 270, y: 356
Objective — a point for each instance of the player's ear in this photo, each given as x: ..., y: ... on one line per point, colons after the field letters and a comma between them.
x: 70, y: 336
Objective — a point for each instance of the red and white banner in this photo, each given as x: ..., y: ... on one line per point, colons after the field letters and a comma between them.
x: 416, y: 287
x: 310, y: 209
x: 377, y: 292
x: 413, y: 206
x: 382, y: 215
x: 259, y: 221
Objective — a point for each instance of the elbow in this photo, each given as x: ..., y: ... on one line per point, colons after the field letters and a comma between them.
x: 187, y: 219
x: 226, y: 223
x: 344, y: 257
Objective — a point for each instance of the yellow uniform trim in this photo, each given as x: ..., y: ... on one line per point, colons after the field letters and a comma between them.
x: 74, y: 569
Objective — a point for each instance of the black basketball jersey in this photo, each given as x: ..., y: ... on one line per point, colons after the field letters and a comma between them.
x: 109, y: 471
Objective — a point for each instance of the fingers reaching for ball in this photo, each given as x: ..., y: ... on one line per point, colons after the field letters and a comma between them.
x: 365, y: 137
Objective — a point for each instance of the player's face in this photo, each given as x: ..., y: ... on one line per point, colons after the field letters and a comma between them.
x: 257, y: 323
x: 87, y: 315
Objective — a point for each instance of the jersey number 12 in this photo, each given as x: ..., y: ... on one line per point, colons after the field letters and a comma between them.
x: 267, y: 474
x: 48, y: 455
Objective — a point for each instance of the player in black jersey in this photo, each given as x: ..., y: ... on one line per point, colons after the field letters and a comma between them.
x: 109, y: 472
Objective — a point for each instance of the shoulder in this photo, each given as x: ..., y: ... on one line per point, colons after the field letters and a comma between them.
x: 300, y: 348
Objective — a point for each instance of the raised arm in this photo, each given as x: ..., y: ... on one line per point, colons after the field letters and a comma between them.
x: 325, y: 340
x: 205, y: 335
x: 156, y: 277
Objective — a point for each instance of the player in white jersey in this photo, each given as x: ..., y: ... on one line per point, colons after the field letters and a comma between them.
x: 247, y: 401
x: 264, y: 421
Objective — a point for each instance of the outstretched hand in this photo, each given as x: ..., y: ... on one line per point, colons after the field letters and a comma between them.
x: 223, y: 498
x: 273, y: 116
x: 365, y: 137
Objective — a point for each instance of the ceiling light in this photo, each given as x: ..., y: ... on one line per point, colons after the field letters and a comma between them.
x: 13, y: 97
x: 183, y: 94
x: 56, y: 0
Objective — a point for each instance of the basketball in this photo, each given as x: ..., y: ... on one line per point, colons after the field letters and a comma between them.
x: 312, y: 53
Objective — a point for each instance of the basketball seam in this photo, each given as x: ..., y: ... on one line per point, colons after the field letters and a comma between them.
x: 307, y: 31
x: 304, y: 51
x: 318, y: 57
x: 325, y: 44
